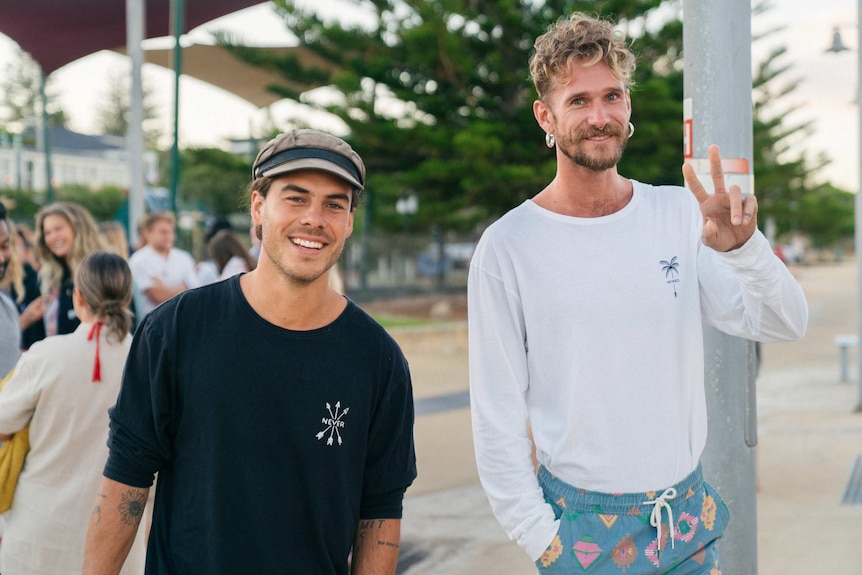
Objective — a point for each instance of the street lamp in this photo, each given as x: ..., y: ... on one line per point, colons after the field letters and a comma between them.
x: 837, y: 43
x: 838, y: 46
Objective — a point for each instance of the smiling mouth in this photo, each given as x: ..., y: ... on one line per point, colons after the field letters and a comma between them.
x: 307, y: 243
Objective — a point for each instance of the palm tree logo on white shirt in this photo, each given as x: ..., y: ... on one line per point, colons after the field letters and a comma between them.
x: 671, y: 270
x: 334, y: 423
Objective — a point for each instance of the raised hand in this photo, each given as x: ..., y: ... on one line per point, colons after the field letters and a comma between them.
x: 729, y: 219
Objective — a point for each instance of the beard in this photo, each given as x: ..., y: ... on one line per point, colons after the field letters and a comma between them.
x: 275, y: 247
x: 597, y: 162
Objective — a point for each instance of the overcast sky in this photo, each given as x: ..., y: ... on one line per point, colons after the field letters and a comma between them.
x: 209, y: 115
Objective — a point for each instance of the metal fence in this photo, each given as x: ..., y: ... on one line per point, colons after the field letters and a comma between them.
x: 391, y: 265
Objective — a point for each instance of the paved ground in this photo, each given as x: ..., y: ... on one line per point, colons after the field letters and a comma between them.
x: 810, y: 438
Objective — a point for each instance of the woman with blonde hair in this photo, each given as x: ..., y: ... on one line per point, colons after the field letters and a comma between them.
x: 66, y: 405
x: 65, y: 234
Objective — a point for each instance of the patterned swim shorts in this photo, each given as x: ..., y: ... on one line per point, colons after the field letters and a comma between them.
x: 657, y: 532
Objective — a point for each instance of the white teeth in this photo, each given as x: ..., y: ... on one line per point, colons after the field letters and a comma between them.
x: 307, y: 243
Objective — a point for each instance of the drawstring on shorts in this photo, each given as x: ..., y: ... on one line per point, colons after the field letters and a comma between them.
x: 655, y: 516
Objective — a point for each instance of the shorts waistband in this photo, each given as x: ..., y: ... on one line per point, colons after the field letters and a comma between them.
x: 581, y: 500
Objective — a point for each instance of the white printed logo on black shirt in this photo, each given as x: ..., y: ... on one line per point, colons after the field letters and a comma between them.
x: 334, y: 423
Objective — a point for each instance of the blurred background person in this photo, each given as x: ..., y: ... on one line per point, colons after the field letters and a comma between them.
x: 160, y: 270
x: 114, y: 237
x: 65, y: 234
x: 26, y: 248
x: 206, y: 269
x: 229, y: 254
x: 10, y: 267
x: 66, y: 404
x: 31, y: 303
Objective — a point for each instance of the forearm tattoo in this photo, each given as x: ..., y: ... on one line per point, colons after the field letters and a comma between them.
x: 368, y: 525
x: 96, y: 515
x: 131, y: 508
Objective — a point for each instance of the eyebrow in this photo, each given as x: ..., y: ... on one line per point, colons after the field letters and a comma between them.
x: 304, y: 191
x: 605, y: 92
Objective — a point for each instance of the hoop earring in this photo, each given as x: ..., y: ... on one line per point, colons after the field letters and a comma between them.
x: 550, y: 140
x: 631, y: 129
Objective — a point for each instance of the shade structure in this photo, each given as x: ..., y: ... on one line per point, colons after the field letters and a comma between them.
x: 56, y: 33
x: 216, y: 65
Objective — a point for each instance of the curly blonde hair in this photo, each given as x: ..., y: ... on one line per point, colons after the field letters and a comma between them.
x: 86, y: 241
x: 578, y: 37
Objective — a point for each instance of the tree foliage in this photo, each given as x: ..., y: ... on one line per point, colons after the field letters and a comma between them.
x: 438, y: 100
x: 21, y: 101
x: 214, y: 179
x: 784, y: 170
x: 112, y: 113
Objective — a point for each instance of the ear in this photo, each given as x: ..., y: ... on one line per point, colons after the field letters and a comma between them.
x: 543, y: 116
x: 257, y: 202
x: 349, y: 230
x: 77, y: 298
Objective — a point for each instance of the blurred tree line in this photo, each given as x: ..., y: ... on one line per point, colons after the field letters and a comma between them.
x: 437, y: 99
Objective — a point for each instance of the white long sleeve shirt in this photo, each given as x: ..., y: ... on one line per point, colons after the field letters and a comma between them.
x: 589, y: 330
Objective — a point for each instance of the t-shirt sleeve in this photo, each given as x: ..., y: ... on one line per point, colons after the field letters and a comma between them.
x: 139, y: 440
x: 140, y: 272
x: 391, y: 464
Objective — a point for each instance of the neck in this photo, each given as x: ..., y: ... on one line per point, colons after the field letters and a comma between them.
x: 581, y: 192
x: 298, y: 307
x: 164, y: 252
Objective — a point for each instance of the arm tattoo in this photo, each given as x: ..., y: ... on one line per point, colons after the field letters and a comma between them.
x: 132, y: 507
x: 96, y: 515
x: 367, y: 525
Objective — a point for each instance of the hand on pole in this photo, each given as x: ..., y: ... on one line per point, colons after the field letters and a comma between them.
x: 729, y: 219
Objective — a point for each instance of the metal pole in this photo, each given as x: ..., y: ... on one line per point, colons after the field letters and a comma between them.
x: 46, y: 141
x: 858, y: 216
x: 135, y: 26
x: 177, y: 13
x: 717, y: 47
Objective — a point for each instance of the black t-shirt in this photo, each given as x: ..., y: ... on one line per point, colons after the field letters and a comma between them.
x: 270, y: 444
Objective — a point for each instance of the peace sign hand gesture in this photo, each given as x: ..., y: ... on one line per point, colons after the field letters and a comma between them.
x: 729, y: 220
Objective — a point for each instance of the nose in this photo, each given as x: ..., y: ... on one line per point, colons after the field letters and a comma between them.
x: 598, y: 115
x: 313, y: 215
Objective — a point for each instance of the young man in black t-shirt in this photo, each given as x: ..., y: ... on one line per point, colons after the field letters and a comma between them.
x: 277, y: 414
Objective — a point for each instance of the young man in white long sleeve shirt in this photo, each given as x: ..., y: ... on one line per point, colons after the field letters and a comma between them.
x: 586, y: 308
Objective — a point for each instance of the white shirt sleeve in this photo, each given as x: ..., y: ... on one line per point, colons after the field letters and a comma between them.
x: 498, y: 384
x: 750, y: 293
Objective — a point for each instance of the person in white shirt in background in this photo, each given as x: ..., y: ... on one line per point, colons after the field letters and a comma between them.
x: 159, y: 269
x: 231, y: 257
x: 586, y: 308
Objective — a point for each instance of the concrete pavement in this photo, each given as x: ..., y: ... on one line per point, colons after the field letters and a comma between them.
x: 810, y: 439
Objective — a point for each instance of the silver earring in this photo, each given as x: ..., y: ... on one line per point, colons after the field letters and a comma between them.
x: 631, y: 129
x: 550, y: 140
